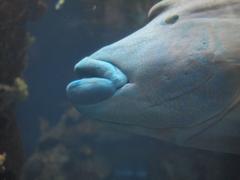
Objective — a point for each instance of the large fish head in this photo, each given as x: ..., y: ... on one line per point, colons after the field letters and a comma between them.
x: 176, y: 72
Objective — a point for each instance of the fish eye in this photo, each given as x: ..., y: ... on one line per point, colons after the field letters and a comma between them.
x: 172, y: 19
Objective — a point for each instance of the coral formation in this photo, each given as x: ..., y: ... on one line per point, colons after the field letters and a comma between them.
x: 3, y: 158
x: 13, y: 49
x: 59, y: 4
x: 21, y: 88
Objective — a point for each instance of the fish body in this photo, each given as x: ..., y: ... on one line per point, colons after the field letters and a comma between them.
x: 176, y: 79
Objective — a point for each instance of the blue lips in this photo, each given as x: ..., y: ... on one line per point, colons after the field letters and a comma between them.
x: 98, y: 81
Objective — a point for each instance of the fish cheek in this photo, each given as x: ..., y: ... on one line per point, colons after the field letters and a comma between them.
x: 174, y: 79
x: 207, y: 103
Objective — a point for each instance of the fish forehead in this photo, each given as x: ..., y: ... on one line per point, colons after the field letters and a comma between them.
x: 157, y: 35
x: 197, y: 8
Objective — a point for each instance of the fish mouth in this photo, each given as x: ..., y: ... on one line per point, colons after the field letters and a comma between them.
x: 97, y: 81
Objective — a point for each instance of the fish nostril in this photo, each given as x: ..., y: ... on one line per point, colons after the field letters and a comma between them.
x: 89, y: 67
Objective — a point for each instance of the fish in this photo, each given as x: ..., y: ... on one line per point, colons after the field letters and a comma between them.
x: 176, y: 79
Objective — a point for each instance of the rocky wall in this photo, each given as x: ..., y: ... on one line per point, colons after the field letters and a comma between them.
x: 14, y: 41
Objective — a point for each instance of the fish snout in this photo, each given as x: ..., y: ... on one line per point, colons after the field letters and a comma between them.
x: 97, y: 81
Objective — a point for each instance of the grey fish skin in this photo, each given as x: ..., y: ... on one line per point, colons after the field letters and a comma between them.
x: 181, y: 77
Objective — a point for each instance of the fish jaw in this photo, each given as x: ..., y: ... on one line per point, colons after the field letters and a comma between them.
x: 98, y: 81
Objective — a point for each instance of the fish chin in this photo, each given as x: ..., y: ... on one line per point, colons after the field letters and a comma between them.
x: 123, y: 107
